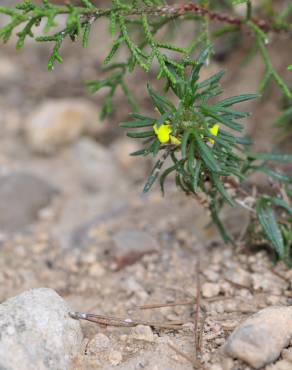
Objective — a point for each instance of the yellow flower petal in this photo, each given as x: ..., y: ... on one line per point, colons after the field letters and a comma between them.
x: 174, y: 140
x: 163, y: 132
x: 214, y: 131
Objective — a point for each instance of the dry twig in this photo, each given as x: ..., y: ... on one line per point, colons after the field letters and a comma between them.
x: 129, y: 323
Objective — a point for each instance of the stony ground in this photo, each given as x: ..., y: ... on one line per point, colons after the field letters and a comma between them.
x: 87, y: 232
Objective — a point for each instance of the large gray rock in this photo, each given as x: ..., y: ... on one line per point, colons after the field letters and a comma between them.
x: 36, y: 332
x: 260, y: 339
x: 22, y: 195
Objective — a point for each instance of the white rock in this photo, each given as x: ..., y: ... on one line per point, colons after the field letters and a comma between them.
x: 261, y: 338
x: 210, y: 290
x: 58, y: 122
x: 37, y: 332
x: 239, y: 276
x: 216, y: 367
x: 115, y: 357
x: 142, y: 332
x: 98, y: 343
x: 287, y: 354
x: 280, y: 365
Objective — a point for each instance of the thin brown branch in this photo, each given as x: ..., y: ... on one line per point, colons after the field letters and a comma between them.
x: 195, y: 363
x: 182, y: 9
x: 197, y: 310
x: 121, y: 322
x: 160, y: 305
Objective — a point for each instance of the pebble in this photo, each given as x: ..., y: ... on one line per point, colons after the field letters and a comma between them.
x: 260, y: 339
x: 58, y: 122
x: 37, y: 333
x: 99, y: 342
x: 287, y: 354
x: 131, y: 240
x: 115, y: 357
x: 280, y: 365
x: 96, y: 166
x: 210, y: 290
x: 22, y: 196
x: 239, y: 276
x: 142, y: 332
x: 96, y: 270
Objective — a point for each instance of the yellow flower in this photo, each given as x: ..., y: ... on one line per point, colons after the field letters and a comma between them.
x: 174, y: 140
x: 214, y: 131
x: 163, y: 133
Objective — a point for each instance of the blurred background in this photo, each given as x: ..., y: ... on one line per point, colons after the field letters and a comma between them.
x: 72, y: 216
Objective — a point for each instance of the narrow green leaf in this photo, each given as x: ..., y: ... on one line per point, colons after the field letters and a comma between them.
x: 140, y: 135
x: 155, y: 172
x: 272, y: 173
x: 136, y: 124
x: 236, y: 99
x: 270, y: 226
x: 211, y: 80
x: 184, y: 142
x: 220, y: 187
x: 161, y: 103
x: 285, y: 158
x: 216, y: 219
x: 226, y: 121
x: 142, y: 152
x: 207, y: 156
x: 164, y: 176
x: 196, y: 177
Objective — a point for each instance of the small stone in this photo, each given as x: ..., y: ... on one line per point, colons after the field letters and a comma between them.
x: 96, y: 165
x: 227, y: 364
x: 261, y: 338
x: 239, y: 276
x: 134, y: 240
x: 88, y: 258
x: 96, y: 270
x: 287, y: 354
x: 142, y: 332
x: 115, y: 357
x: 98, y: 343
x: 280, y: 365
x: 216, y: 367
x: 210, y: 290
x: 273, y: 300
x: 37, y: 332
x: 211, y: 275
x: 22, y: 196
x: 58, y: 122
x: 133, y: 287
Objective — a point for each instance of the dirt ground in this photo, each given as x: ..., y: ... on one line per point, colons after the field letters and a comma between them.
x: 107, y: 249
